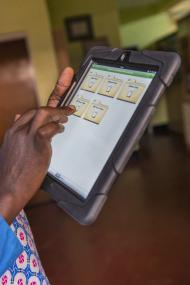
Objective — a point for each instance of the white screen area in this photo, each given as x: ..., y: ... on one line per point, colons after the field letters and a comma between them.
x: 105, y: 103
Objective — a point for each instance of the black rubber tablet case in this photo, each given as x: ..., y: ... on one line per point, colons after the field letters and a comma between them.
x: 86, y: 212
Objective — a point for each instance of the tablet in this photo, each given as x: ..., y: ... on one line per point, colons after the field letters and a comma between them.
x: 115, y: 93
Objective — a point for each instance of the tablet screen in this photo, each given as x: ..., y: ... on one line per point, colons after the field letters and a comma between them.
x: 105, y: 102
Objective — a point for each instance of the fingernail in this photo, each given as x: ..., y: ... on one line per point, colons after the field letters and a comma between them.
x: 61, y: 128
x: 17, y: 116
x: 72, y: 107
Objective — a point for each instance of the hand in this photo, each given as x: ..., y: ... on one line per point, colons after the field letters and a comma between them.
x: 63, y: 83
x: 26, y: 151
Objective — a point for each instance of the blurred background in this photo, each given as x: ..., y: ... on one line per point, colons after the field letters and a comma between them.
x: 143, y: 233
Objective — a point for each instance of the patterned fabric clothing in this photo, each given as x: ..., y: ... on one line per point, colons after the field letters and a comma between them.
x: 27, y: 268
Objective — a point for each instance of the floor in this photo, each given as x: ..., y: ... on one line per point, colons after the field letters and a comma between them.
x: 143, y: 233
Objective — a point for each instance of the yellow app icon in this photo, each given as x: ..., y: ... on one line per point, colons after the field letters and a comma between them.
x: 131, y: 92
x: 96, y: 112
x: 91, y: 83
x: 81, y: 104
x: 110, y: 87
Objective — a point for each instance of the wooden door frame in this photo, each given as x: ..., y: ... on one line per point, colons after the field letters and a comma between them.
x: 8, y: 37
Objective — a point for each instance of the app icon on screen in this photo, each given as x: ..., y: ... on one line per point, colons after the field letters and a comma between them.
x: 131, y: 92
x: 110, y: 87
x: 96, y: 112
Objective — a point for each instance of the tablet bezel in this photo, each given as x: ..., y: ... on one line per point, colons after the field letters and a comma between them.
x: 143, y: 104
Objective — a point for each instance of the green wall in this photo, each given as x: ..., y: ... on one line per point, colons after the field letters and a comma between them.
x: 147, y: 31
x: 129, y: 13
x: 105, y: 18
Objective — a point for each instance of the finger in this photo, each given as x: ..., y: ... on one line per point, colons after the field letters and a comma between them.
x: 48, y: 114
x: 70, y: 108
x: 61, y: 86
x: 49, y: 130
x: 24, y: 119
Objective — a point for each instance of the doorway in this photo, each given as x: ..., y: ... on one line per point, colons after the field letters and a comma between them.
x: 17, y: 82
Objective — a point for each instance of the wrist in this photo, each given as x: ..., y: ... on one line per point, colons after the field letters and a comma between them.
x: 7, y: 208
